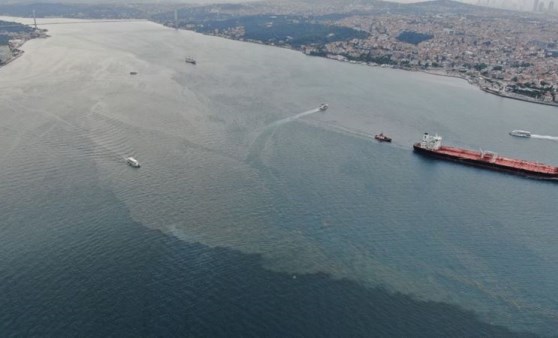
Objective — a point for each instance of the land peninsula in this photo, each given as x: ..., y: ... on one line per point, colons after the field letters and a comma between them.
x: 12, y: 36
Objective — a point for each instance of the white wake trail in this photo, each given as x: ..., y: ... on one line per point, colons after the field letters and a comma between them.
x: 545, y: 137
x: 260, y: 142
x: 292, y: 118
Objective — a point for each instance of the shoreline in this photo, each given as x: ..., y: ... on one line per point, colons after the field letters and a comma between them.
x: 441, y: 72
x: 16, y: 50
x: 435, y: 73
x: 500, y: 94
x: 13, y: 58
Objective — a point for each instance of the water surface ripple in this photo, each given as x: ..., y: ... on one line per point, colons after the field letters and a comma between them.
x: 250, y: 217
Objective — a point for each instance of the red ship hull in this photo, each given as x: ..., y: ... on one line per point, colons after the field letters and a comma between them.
x: 503, y: 164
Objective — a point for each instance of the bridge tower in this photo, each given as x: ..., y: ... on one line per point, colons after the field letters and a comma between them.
x: 35, y: 20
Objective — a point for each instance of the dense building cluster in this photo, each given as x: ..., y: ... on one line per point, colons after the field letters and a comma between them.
x: 511, y: 53
x: 506, y: 52
x: 498, y: 51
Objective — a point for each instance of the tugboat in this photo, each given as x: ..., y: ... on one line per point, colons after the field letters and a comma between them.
x: 190, y: 60
x: 323, y: 107
x: 132, y: 162
x: 382, y: 138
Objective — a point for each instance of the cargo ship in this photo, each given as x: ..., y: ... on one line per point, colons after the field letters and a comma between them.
x: 432, y: 146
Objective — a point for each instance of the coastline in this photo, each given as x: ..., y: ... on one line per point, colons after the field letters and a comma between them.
x: 445, y: 74
x: 493, y: 91
x: 526, y: 99
x: 430, y: 72
x: 18, y: 53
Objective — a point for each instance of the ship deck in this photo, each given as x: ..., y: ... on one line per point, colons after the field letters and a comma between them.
x: 499, y: 160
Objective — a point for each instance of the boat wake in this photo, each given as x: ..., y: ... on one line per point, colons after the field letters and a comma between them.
x: 292, y: 118
x: 545, y: 137
x: 261, y: 140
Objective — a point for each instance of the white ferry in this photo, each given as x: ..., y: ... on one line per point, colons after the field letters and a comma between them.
x: 520, y: 133
x: 132, y: 162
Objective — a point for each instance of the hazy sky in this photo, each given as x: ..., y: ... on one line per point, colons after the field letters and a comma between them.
x: 206, y: 1
x: 119, y: 1
x: 152, y: 1
x: 157, y: 1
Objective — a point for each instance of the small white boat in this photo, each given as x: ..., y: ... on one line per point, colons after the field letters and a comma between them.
x: 132, y: 162
x: 323, y: 107
x: 520, y: 133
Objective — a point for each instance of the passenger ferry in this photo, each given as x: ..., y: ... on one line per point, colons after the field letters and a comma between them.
x: 132, y: 162
x: 520, y: 133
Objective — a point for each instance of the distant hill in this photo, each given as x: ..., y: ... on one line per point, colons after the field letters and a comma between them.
x: 436, y: 6
x: 71, y: 11
x: 145, y: 9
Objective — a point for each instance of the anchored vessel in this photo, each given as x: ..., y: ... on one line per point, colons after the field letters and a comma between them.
x: 520, y: 133
x: 323, y: 107
x: 382, y: 138
x: 432, y: 146
x: 132, y: 162
x: 190, y: 60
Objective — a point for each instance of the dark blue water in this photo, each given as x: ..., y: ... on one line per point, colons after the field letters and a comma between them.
x: 73, y: 262
x: 69, y: 276
x: 252, y: 215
